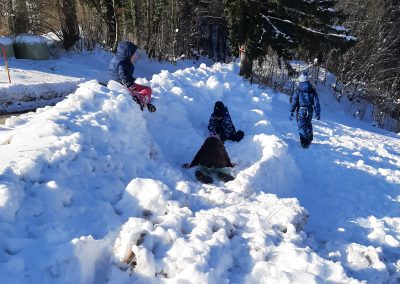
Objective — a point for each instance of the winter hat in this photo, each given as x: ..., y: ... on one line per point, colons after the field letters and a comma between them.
x: 303, y: 77
x: 219, y: 109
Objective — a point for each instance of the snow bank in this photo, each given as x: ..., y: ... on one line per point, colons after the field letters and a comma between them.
x: 59, y: 160
x: 215, y: 234
x: 93, y: 191
x: 11, y: 196
x: 205, y: 246
x: 94, y: 152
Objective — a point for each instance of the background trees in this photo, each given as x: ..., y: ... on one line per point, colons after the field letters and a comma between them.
x: 371, y: 69
x: 266, y: 34
x: 293, y: 29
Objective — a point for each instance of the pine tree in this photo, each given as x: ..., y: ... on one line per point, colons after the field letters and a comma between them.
x: 289, y: 27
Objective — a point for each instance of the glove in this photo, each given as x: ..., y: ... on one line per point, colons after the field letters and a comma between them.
x: 134, y: 92
x: 151, y: 107
x: 291, y: 116
x: 318, y: 117
x: 135, y: 96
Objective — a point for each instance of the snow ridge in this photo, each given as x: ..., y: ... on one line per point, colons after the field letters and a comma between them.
x: 92, y: 190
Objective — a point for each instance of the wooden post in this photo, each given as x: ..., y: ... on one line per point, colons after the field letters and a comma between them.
x: 5, y: 59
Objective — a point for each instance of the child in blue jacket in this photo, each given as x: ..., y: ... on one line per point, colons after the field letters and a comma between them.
x: 121, y: 70
x: 221, y: 124
x: 305, y: 100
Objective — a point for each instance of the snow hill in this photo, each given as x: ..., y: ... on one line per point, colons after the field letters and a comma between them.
x: 91, y: 189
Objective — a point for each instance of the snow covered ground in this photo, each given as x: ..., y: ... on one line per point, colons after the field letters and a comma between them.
x: 38, y: 83
x: 91, y: 189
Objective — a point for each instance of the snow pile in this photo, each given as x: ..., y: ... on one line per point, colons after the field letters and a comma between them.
x: 207, y: 245
x: 92, y: 190
x: 58, y: 161
x: 92, y: 162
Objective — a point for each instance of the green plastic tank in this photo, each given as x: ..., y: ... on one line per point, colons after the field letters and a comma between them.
x: 31, y: 47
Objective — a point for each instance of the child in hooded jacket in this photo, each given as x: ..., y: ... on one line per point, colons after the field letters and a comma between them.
x: 305, y: 102
x: 221, y: 124
x: 211, y: 158
x: 121, y: 69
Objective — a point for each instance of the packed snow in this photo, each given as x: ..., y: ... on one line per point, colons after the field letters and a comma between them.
x: 91, y: 189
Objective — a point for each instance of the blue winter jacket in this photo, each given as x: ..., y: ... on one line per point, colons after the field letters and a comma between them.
x: 223, y: 127
x: 121, y: 69
x: 305, y: 97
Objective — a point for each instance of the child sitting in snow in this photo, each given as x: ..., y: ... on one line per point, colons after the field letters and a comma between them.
x: 211, y: 158
x: 221, y: 123
x: 121, y: 70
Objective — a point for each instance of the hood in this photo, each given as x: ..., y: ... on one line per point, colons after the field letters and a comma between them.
x: 125, y: 50
x: 220, y: 109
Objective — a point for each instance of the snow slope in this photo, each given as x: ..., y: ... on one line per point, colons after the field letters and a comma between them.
x: 91, y: 190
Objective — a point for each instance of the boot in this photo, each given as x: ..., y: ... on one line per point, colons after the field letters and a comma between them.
x: 151, y: 107
x: 225, y: 177
x: 203, y: 178
x: 238, y: 136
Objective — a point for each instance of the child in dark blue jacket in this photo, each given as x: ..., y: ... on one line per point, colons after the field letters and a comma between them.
x: 121, y: 70
x: 305, y: 100
x: 221, y: 124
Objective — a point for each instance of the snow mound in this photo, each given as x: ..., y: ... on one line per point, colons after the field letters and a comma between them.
x: 93, y: 192
x: 205, y: 245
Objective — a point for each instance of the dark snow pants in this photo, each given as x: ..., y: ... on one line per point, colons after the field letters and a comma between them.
x: 304, y: 125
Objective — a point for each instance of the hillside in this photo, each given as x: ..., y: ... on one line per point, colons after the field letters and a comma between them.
x: 93, y: 181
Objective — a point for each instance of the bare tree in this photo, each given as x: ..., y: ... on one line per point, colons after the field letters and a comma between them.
x: 370, y: 71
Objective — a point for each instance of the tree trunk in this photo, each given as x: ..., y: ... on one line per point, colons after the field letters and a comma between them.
x: 246, y: 63
x: 148, y: 25
x: 69, y: 22
x: 133, y: 29
x: 218, y: 44
x: 21, y: 20
x: 117, y: 27
x: 111, y: 22
x: 210, y: 41
x: 10, y: 17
